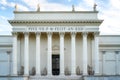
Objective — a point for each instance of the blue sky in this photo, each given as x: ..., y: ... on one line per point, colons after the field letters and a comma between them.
x: 109, y: 10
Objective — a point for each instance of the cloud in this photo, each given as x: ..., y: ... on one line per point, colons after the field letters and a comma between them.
x: 3, y: 2
x: 69, y: 0
x: 109, y: 11
x: 45, y: 6
x: 89, y: 2
x: 22, y: 7
x: 5, y: 27
x: 110, y: 15
x: 115, y: 4
x: 55, y: 7
x: 8, y: 4
x: 3, y: 8
x: 33, y: 3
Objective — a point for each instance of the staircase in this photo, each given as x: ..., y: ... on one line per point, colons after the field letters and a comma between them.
x: 55, y: 78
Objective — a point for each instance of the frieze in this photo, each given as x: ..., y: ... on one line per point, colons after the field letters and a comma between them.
x: 56, y: 29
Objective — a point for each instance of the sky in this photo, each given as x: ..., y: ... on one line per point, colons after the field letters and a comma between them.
x: 109, y: 11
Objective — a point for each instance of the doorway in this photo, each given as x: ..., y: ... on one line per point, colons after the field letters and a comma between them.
x: 55, y: 64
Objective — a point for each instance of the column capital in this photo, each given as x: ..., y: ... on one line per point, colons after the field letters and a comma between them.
x: 26, y: 33
x: 49, y: 33
x: 38, y: 33
x: 62, y: 34
x: 73, y: 34
x: 14, y: 33
x: 85, y: 33
x: 96, y: 34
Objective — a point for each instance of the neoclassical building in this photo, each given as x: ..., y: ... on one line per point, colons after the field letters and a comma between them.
x: 58, y: 45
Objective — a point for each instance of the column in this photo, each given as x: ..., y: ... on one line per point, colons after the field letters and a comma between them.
x: 9, y: 63
x: 62, y: 53
x: 49, y: 60
x: 103, y: 62
x: 38, y: 54
x: 73, y: 54
x: 93, y: 63
x: 117, y: 62
x: 84, y: 53
x: 26, y: 53
x: 14, y: 53
x: 96, y: 53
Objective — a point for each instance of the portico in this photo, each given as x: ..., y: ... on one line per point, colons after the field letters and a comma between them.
x: 74, y: 39
x: 61, y: 52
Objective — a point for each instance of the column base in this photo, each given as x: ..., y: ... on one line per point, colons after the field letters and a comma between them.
x: 26, y: 74
x: 49, y: 75
x: 62, y: 74
x: 85, y: 74
x: 38, y: 75
x: 13, y: 75
x: 73, y: 74
x: 96, y: 74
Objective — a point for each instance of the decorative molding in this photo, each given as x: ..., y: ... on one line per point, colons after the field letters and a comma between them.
x: 55, y: 12
x: 55, y: 21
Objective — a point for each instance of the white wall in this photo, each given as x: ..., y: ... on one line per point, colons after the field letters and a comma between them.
x: 109, y: 62
x: 5, y: 66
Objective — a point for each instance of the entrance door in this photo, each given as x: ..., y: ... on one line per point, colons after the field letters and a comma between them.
x: 55, y: 65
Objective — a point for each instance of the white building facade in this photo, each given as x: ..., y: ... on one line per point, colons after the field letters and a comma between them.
x: 58, y: 44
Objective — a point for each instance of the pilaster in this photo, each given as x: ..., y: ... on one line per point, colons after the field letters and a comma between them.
x: 96, y: 52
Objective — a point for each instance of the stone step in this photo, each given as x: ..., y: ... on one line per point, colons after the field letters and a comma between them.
x: 55, y: 78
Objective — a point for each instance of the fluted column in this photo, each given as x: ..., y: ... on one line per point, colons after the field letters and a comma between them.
x: 62, y: 53
x: 14, y: 53
x: 73, y: 53
x: 96, y: 53
x: 49, y: 59
x: 26, y: 53
x: 85, y: 53
x: 38, y: 54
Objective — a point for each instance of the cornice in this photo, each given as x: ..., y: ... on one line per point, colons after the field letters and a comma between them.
x: 55, y: 11
x: 55, y: 21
